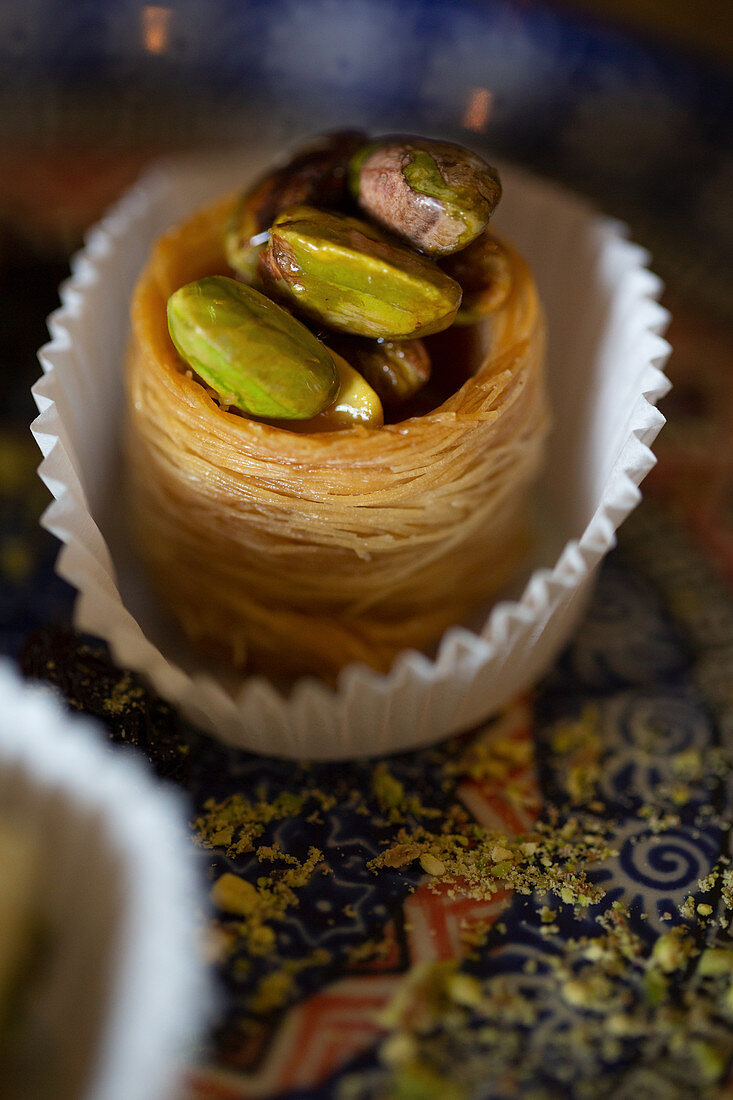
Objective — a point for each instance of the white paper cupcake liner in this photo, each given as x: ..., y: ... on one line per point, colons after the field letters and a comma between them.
x: 120, y: 995
x: 606, y: 355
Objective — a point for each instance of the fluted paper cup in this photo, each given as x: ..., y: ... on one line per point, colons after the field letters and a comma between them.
x: 605, y: 373
x: 116, y: 992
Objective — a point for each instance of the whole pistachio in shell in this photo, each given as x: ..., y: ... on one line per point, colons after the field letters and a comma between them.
x: 254, y: 354
x: 343, y: 273
x: 484, y: 272
x: 436, y: 195
x: 317, y: 174
x: 396, y: 369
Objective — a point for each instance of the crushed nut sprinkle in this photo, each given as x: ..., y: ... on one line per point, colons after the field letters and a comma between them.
x: 621, y: 986
x: 236, y: 822
x: 480, y: 862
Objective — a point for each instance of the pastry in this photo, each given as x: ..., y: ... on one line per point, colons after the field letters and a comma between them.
x: 297, y: 519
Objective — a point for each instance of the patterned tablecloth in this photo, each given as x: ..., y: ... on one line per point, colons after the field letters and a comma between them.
x: 540, y: 907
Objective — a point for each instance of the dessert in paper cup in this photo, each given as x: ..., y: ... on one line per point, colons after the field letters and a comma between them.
x: 306, y: 562
x: 102, y: 990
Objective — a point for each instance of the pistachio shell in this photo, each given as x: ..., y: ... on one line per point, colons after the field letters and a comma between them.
x: 356, y: 403
x: 436, y: 195
x: 346, y: 275
x: 254, y: 354
x: 484, y: 272
x: 396, y: 369
x: 316, y: 174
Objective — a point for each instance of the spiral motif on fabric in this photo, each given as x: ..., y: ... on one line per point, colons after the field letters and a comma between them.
x: 625, y: 638
x: 664, y: 721
x: 642, y: 732
x: 670, y: 861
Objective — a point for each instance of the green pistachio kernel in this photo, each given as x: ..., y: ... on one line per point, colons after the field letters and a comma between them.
x: 254, y: 354
x: 356, y: 403
x: 436, y: 195
x: 316, y: 174
x: 343, y: 273
x: 396, y: 369
x: 243, y: 242
x: 485, y: 275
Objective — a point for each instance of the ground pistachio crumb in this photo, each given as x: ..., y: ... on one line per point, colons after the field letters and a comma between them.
x: 431, y: 865
x: 276, y: 989
x: 264, y: 904
x: 234, y: 895
x: 553, y: 858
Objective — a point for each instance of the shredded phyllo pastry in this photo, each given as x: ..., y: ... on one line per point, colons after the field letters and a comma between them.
x: 291, y: 551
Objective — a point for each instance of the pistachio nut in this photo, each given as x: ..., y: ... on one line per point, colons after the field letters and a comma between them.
x: 485, y: 274
x: 316, y: 174
x: 396, y: 369
x: 242, y: 242
x: 356, y: 403
x: 346, y: 275
x: 437, y: 196
x: 254, y: 354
